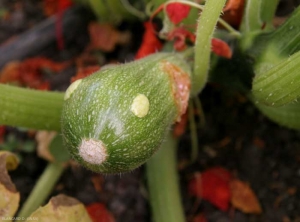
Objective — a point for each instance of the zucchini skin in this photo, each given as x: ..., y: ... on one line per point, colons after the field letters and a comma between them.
x: 99, y: 113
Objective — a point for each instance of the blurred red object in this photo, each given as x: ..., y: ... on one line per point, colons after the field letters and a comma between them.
x: 150, y: 43
x: 2, y: 132
x: 221, y: 48
x: 177, y: 12
x: 99, y: 213
x: 212, y: 185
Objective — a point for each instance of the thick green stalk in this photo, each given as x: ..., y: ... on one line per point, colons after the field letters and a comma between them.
x: 252, y: 16
x: 205, y: 29
x: 267, y: 12
x: 163, y: 184
x: 42, y: 189
x: 30, y: 108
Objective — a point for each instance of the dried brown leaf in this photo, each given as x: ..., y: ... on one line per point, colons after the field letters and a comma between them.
x: 44, y: 139
x: 62, y: 208
x: 10, y: 197
x: 105, y: 37
x: 243, y: 197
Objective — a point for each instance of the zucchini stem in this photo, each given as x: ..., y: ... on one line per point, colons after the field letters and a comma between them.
x: 42, y: 189
x: 163, y: 184
x: 30, y: 108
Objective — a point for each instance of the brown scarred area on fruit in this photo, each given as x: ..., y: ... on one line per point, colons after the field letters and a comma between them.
x: 180, y: 88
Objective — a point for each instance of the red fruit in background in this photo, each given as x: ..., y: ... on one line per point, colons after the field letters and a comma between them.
x: 177, y: 12
x: 2, y: 132
x: 221, y: 48
x: 212, y: 185
x: 199, y: 218
x: 150, y: 43
x: 99, y: 213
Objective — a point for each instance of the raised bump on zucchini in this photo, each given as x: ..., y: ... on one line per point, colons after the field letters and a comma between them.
x: 116, y: 119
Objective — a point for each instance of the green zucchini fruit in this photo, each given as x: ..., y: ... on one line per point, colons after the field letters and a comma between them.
x: 114, y: 120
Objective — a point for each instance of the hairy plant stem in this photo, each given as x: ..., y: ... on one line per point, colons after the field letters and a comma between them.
x: 252, y: 16
x: 42, y: 189
x: 205, y: 29
x: 30, y: 108
x: 163, y: 184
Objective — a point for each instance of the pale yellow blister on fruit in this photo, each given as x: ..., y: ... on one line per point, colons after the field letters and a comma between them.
x: 72, y: 88
x: 140, y: 106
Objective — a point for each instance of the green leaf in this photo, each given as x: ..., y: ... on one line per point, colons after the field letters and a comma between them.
x: 279, y: 85
x: 288, y: 116
x: 268, y: 49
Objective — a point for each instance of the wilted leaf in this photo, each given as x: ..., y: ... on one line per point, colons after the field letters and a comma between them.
x: 10, y: 73
x: 233, y: 12
x: 62, y: 208
x: 243, y: 197
x: 180, y: 35
x: 150, y: 43
x: 43, y: 139
x: 213, y: 186
x: 29, y: 72
x: 9, y: 198
x: 98, y: 181
x: 99, y: 213
x: 177, y: 12
x: 50, y: 146
x: 105, y: 37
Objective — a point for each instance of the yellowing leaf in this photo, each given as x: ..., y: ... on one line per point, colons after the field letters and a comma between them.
x: 44, y: 139
x: 243, y: 197
x: 50, y: 146
x: 9, y: 198
x: 62, y: 208
x: 105, y: 37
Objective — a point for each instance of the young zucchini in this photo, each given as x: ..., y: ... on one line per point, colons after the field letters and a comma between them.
x: 115, y: 120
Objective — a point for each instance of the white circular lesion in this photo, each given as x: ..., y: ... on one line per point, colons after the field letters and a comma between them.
x: 140, y: 105
x: 72, y: 88
x: 93, y: 151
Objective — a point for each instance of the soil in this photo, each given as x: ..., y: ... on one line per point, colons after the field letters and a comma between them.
x: 236, y: 136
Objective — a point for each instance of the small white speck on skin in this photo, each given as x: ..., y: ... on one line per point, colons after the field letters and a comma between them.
x: 140, y: 106
x: 93, y: 151
x: 72, y: 88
